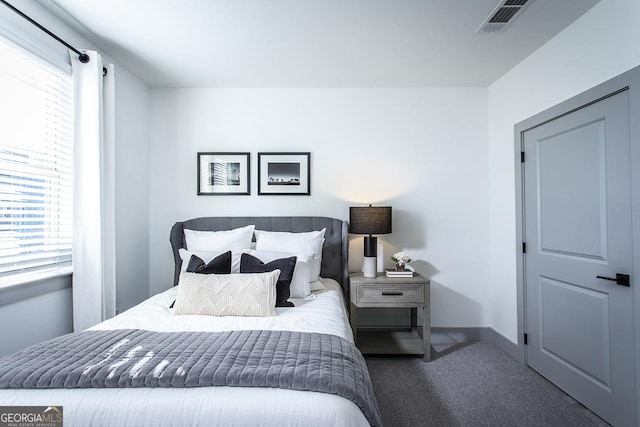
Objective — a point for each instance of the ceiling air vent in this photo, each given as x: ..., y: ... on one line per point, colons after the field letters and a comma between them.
x: 503, y: 15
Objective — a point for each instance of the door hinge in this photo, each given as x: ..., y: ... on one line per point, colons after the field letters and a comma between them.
x: 524, y: 247
x: 526, y: 339
x: 522, y: 157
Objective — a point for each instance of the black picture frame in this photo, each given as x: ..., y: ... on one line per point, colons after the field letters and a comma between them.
x: 224, y: 174
x: 284, y: 174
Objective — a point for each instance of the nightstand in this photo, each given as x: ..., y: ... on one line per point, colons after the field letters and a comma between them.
x: 386, y: 292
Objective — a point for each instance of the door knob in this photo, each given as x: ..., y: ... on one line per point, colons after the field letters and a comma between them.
x: 620, y: 279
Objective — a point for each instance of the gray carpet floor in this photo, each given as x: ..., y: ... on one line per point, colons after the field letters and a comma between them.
x: 470, y: 384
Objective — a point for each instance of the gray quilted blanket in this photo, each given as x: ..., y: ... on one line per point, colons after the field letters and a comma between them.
x: 136, y: 358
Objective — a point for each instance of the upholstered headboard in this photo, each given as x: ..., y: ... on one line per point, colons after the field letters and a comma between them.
x: 335, y: 251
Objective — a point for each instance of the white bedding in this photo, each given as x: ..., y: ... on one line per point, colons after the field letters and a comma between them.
x: 323, y: 312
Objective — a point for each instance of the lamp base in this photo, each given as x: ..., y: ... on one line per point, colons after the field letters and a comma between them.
x: 370, y: 266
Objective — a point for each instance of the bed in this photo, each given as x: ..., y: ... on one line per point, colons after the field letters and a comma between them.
x: 321, y: 315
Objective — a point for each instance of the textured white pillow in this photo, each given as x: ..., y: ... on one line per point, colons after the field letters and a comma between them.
x: 206, y: 256
x: 219, y: 241
x: 305, y: 244
x: 300, y: 283
x: 251, y: 295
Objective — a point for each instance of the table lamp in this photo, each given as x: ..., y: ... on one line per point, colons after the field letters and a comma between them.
x: 370, y: 220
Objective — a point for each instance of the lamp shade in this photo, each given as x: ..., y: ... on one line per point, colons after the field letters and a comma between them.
x: 370, y: 219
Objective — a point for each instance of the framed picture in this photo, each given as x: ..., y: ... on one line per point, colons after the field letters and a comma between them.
x: 222, y: 174
x: 284, y: 174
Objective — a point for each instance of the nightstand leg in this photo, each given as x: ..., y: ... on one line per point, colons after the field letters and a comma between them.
x: 426, y: 331
x: 414, y: 320
x: 353, y: 316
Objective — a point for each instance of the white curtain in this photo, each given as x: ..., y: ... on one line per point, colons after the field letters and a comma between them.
x: 94, y: 288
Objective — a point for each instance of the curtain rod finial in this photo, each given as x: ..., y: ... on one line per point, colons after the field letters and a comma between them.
x: 84, y: 58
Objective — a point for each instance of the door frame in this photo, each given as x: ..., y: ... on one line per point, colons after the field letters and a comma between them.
x: 629, y: 81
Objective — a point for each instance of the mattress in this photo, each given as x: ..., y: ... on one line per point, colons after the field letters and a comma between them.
x: 324, y: 312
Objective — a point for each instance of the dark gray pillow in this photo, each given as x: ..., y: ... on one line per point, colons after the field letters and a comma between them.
x: 251, y: 264
x: 219, y: 265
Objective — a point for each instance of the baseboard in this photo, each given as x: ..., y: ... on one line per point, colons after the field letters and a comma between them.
x: 508, y: 346
x: 482, y: 334
x: 470, y: 334
x: 463, y: 334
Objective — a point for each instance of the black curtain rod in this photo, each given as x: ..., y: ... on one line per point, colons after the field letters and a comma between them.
x: 83, y: 57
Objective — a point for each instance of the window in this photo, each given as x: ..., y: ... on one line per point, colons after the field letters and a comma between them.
x: 36, y: 163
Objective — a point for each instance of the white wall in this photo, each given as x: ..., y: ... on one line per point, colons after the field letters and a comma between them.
x: 602, y: 44
x: 441, y: 157
x: 49, y: 314
x: 132, y: 190
x: 424, y: 151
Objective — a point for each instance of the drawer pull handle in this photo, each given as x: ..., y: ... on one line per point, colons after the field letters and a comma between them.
x: 392, y: 293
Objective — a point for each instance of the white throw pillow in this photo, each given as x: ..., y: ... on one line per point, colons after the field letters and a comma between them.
x: 305, y: 244
x: 251, y: 295
x: 300, y: 283
x: 206, y: 256
x: 219, y: 241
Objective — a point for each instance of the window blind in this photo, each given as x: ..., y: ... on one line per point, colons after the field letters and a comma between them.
x: 36, y: 162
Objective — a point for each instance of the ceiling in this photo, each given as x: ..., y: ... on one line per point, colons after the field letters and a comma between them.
x: 314, y: 43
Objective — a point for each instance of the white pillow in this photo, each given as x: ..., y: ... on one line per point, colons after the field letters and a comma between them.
x: 251, y: 295
x: 317, y: 286
x: 300, y: 284
x: 219, y: 241
x: 206, y: 256
x: 305, y: 244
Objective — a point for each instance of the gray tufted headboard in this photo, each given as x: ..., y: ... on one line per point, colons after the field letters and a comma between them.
x: 335, y: 251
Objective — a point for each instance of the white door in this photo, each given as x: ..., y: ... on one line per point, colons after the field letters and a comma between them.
x: 577, y: 207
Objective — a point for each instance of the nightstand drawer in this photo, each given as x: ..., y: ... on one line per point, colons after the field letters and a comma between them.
x: 389, y: 294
